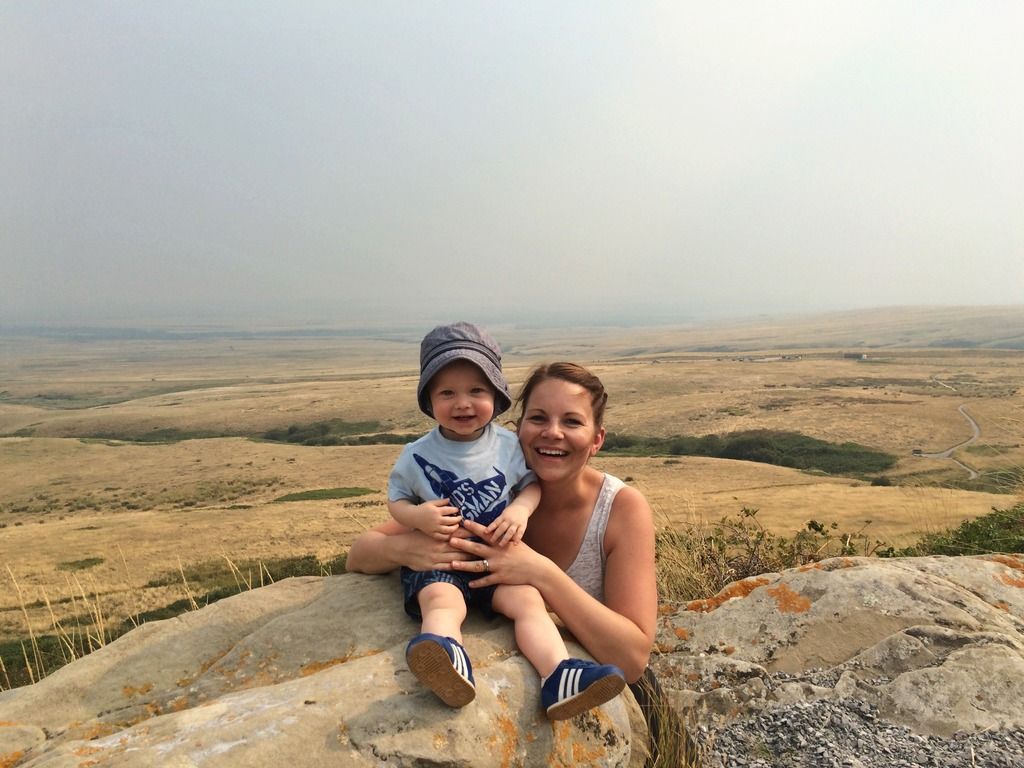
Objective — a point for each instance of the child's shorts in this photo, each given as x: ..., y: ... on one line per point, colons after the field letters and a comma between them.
x: 414, y: 581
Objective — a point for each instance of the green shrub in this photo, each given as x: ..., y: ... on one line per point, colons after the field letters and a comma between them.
x: 785, y: 449
x: 321, y: 494
x: 1001, y: 530
x: 337, y: 432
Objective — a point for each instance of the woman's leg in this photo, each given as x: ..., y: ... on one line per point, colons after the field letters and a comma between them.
x: 536, y: 634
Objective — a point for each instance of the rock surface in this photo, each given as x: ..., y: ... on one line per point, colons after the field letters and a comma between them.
x: 311, y: 671
x: 935, y: 644
x: 306, y: 672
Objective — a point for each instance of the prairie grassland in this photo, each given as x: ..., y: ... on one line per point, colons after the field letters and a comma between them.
x: 84, y: 507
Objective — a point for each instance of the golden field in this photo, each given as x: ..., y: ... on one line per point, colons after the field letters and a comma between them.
x: 75, y: 484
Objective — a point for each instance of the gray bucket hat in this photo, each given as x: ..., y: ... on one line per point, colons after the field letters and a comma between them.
x: 461, y: 341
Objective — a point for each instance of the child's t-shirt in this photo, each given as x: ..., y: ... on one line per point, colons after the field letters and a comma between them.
x: 479, y: 476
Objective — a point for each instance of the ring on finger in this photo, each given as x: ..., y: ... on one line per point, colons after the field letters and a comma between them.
x: 487, y: 566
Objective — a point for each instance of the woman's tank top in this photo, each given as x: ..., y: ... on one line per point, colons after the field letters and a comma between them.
x: 587, y: 569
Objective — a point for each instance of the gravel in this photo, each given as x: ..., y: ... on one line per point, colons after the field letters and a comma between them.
x: 849, y: 734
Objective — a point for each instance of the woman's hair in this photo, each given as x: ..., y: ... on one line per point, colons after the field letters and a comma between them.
x: 572, y: 373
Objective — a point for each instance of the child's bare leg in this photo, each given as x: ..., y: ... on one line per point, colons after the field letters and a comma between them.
x: 536, y: 634
x: 443, y: 609
x: 436, y: 656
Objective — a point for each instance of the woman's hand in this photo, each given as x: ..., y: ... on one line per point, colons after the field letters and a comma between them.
x: 391, y: 545
x: 513, y: 563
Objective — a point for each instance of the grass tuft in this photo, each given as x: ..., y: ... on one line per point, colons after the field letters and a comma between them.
x: 80, y: 565
x: 323, y: 494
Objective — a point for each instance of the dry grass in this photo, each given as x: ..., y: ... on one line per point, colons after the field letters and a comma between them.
x: 142, y: 508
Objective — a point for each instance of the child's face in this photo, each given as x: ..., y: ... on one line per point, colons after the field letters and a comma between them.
x: 462, y: 400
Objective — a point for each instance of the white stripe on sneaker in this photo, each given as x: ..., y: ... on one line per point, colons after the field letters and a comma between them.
x: 460, y: 661
x: 569, y: 684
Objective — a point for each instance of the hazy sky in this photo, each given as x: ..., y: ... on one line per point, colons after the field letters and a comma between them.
x: 351, y: 162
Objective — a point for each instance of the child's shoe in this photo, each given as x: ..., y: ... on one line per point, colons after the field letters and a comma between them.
x: 577, y: 685
x: 442, y: 665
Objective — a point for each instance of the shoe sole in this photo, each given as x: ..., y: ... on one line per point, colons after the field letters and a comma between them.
x: 596, y: 694
x: 430, y: 663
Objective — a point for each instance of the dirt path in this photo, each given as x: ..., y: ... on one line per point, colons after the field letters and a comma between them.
x: 948, y: 453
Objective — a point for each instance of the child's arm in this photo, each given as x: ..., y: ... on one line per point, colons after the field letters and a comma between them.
x: 510, y: 525
x: 435, y: 518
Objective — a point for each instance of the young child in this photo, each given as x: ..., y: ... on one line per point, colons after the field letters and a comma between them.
x: 469, y: 468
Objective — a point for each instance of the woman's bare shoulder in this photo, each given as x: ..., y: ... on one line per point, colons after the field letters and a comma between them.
x: 629, y: 502
x: 631, y: 522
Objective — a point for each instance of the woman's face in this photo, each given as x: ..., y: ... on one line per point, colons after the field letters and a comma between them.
x: 557, y: 431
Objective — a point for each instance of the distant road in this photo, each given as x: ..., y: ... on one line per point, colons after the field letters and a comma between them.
x: 948, y: 453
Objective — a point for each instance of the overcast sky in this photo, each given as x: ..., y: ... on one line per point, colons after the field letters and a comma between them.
x: 354, y: 162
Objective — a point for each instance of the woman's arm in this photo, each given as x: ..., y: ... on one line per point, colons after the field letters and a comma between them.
x: 619, y: 631
x: 389, y: 545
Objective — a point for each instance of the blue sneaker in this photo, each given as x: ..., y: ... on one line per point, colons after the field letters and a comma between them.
x: 577, y: 685
x: 442, y: 665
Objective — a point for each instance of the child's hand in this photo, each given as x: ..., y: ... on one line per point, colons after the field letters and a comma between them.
x: 510, y: 525
x: 436, y: 518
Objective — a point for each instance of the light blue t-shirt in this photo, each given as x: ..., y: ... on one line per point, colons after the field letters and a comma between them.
x: 479, y: 476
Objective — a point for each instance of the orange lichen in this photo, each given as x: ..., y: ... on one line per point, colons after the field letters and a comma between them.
x: 810, y: 567
x: 1008, y: 560
x: 1002, y: 606
x: 664, y: 647
x: 682, y: 633
x: 11, y: 759
x: 581, y: 755
x: 665, y: 609
x: 788, y: 600
x: 734, y: 590
x: 1010, y: 581
x: 569, y: 752
x: 318, y: 666
x: 94, y: 731
x: 729, y: 650
x: 837, y: 563
x: 131, y: 692
x: 178, y: 704
x: 504, y: 738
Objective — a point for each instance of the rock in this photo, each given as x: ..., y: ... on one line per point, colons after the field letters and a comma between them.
x: 311, y: 671
x: 305, y: 672
x: 935, y: 643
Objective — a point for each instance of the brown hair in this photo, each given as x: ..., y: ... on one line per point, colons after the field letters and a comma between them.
x: 572, y: 373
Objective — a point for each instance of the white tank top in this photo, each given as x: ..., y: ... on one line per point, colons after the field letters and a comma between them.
x: 587, y: 569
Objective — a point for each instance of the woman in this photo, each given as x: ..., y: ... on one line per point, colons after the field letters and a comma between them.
x: 589, y: 546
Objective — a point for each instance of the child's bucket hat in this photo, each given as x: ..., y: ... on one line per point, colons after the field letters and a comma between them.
x: 461, y: 341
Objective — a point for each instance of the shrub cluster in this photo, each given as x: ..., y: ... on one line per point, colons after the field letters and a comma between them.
x: 337, y: 432
x: 1001, y: 530
x: 784, y: 449
x: 696, y: 561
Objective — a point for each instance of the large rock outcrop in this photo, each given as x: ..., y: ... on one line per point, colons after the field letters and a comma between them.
x: 310, y: 671
x: 306, y: 672
x: 935, y: 643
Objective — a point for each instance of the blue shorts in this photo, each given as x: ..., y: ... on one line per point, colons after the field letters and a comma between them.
x: 414, y: 581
